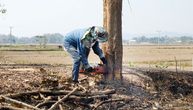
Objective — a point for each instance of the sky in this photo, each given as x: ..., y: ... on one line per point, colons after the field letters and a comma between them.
x: 37, y: 17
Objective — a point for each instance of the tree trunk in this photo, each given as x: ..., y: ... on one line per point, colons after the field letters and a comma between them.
x: 113, y: 49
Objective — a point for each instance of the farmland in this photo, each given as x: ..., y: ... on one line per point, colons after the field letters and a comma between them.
x: 162, y: 56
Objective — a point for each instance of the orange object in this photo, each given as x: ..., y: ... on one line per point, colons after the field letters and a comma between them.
x: 99, y: 69
x: 81, y: 71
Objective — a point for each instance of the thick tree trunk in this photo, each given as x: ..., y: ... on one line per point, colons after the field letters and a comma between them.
x: 104, y: 46
x: 113, y: 49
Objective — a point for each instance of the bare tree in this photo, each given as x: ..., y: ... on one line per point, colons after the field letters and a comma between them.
x: 113, y: 49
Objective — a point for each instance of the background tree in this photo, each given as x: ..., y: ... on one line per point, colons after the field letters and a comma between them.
x: 113, y: 49
x: 42, y: 40
x: 2, y: 9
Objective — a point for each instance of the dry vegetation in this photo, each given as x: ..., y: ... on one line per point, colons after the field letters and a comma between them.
x: 163, y: 56
x: 142, y: 88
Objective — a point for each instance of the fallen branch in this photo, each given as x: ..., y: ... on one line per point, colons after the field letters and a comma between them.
x: 42, y: 103
x: 42, y: 96
x: 85, y: 105
x: 74, y: 98
x: 19, y: 103
x: 85, y: 78
x: 63, y: 99
x: 106, y: 101
x: 44, y: 92
x: 45, y: 100
x: 120, y: 105
x: 60, y: 106
x: 10, y: 108
x: 47, y: 103
x: 60, y: 92
x: 83, y: 88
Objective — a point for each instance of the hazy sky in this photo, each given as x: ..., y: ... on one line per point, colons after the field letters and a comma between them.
x: 33, y: 17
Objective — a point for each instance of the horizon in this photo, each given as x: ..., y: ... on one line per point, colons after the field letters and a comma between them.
x: 126, y: 36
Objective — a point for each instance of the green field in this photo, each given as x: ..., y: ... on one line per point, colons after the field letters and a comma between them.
x: 162, y: 56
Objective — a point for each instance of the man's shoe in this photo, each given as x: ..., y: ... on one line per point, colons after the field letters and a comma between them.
x: 90, y: 69
x: 75, y: 81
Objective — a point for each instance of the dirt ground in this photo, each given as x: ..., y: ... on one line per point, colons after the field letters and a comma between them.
x: 156, y: 89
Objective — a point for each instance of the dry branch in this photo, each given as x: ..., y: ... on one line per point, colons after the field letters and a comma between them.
x: 42, y: 96
x: 83, y: 88
x: 74, y: 98
x: 60, y: 106
x: 60, y: 92
x: 63, y: 99
x: 106, y: 101
x: 10, y: 108
x: 45, y: 100
x: 85, y: 78
x: 19, y: 103
x: 46, y: 103
x: 42, y: 103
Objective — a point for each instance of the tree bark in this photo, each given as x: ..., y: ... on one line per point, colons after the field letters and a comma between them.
x: 113, y: 49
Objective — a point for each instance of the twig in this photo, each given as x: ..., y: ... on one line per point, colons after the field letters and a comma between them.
x: 45, y: 100
x: 83, y: 88
x: 20, y: 103
x: 84, y: 105
x: 85, y: 78
x: 106, y: 101
x: 42, y: 96
x: 47, y: 103
x: 60, y: 106
x: 109, y: 108
x: 120, y: 105
x: 42, y: 103
x: 10, y: 108
x: 63, y: 99
x: 66, y: 105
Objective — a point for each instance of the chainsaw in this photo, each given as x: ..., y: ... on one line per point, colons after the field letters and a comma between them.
x: 97, y: 69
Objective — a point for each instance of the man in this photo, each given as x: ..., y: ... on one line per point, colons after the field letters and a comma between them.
x: 78, y: 43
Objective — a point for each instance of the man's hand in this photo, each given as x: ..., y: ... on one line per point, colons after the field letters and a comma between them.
x: 89, y: 69
x: 103, y: 59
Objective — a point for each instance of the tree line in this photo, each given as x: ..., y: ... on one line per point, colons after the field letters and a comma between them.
x: 55, y: 38
x: 163, y: 40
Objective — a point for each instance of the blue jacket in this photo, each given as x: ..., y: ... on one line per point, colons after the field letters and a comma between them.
x: 74, y: 39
